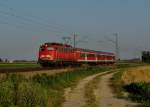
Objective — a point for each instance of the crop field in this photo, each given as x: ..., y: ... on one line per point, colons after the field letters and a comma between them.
x: 18, y: 65
x: 138, y: 74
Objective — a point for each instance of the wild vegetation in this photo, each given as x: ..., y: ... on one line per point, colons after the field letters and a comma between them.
x: 16, y: 91
x: 135, y: 81
x: 40, y: 90
x: 139, y: 91
x: 47, y: 90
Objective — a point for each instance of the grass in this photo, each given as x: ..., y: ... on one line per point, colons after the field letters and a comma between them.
x: 41, y: 90
x: 16, y: 90
x: 116, y: 83
x: 58, y: 83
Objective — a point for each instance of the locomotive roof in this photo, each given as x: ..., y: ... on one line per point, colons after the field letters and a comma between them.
x: 58, y: 44
x: 99, y: 52
x: 80, y: 49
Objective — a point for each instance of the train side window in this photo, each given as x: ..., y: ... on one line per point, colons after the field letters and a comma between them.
x: 83, y: 55
x: 99, y: 56
x: 114, y: 57
x: 65, y: 50
x: 90, y: 55
x: 62, y: 50
x: 69, y: 50
x: 58, y: 49
x: 103, y: 56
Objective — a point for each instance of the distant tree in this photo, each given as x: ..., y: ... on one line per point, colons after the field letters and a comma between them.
x: 146, y: 56
x: 6, y: 60
x: 1, y: 60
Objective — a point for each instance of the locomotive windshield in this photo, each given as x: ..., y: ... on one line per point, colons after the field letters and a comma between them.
x: 50, y: 49
x: 46, y: 48
x: 42, y: 49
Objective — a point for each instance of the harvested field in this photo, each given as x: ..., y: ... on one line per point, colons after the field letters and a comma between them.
x: 138, y: 74
x: 48, y: 72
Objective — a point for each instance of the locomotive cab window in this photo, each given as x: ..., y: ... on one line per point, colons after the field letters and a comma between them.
x: 42, y: 49
x: 91, y: 55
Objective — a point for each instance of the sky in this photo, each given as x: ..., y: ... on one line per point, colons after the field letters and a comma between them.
x: 26, y: 24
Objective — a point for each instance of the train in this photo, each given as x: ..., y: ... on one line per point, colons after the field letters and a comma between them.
x: 58, y: 54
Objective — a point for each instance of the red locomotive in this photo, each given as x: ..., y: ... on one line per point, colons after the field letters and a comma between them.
x: 51, y: 54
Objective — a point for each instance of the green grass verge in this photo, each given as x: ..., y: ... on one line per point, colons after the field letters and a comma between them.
x: 58, y: 83
x: 116, y: 82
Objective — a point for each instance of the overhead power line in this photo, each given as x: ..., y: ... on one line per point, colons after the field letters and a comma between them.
x: 33, y: 20
x: 37, y: 18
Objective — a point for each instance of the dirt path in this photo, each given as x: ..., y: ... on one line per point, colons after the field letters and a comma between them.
x: 75, y: 97
x: 105, y: 96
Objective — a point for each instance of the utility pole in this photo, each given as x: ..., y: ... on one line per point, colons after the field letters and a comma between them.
x: 74, y: 40
x: 67, y: 40
x: 116, y: 45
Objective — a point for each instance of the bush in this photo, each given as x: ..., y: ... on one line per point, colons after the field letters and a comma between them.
x: 139, y: 91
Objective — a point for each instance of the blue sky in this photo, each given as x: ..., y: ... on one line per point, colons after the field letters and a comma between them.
x: 25, y: 24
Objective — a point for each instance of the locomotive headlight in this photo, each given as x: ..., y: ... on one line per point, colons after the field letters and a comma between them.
x: 48, y: 56
x: 42, y: 56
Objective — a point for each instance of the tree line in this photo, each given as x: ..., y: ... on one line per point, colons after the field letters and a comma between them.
x: 146, y: 56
